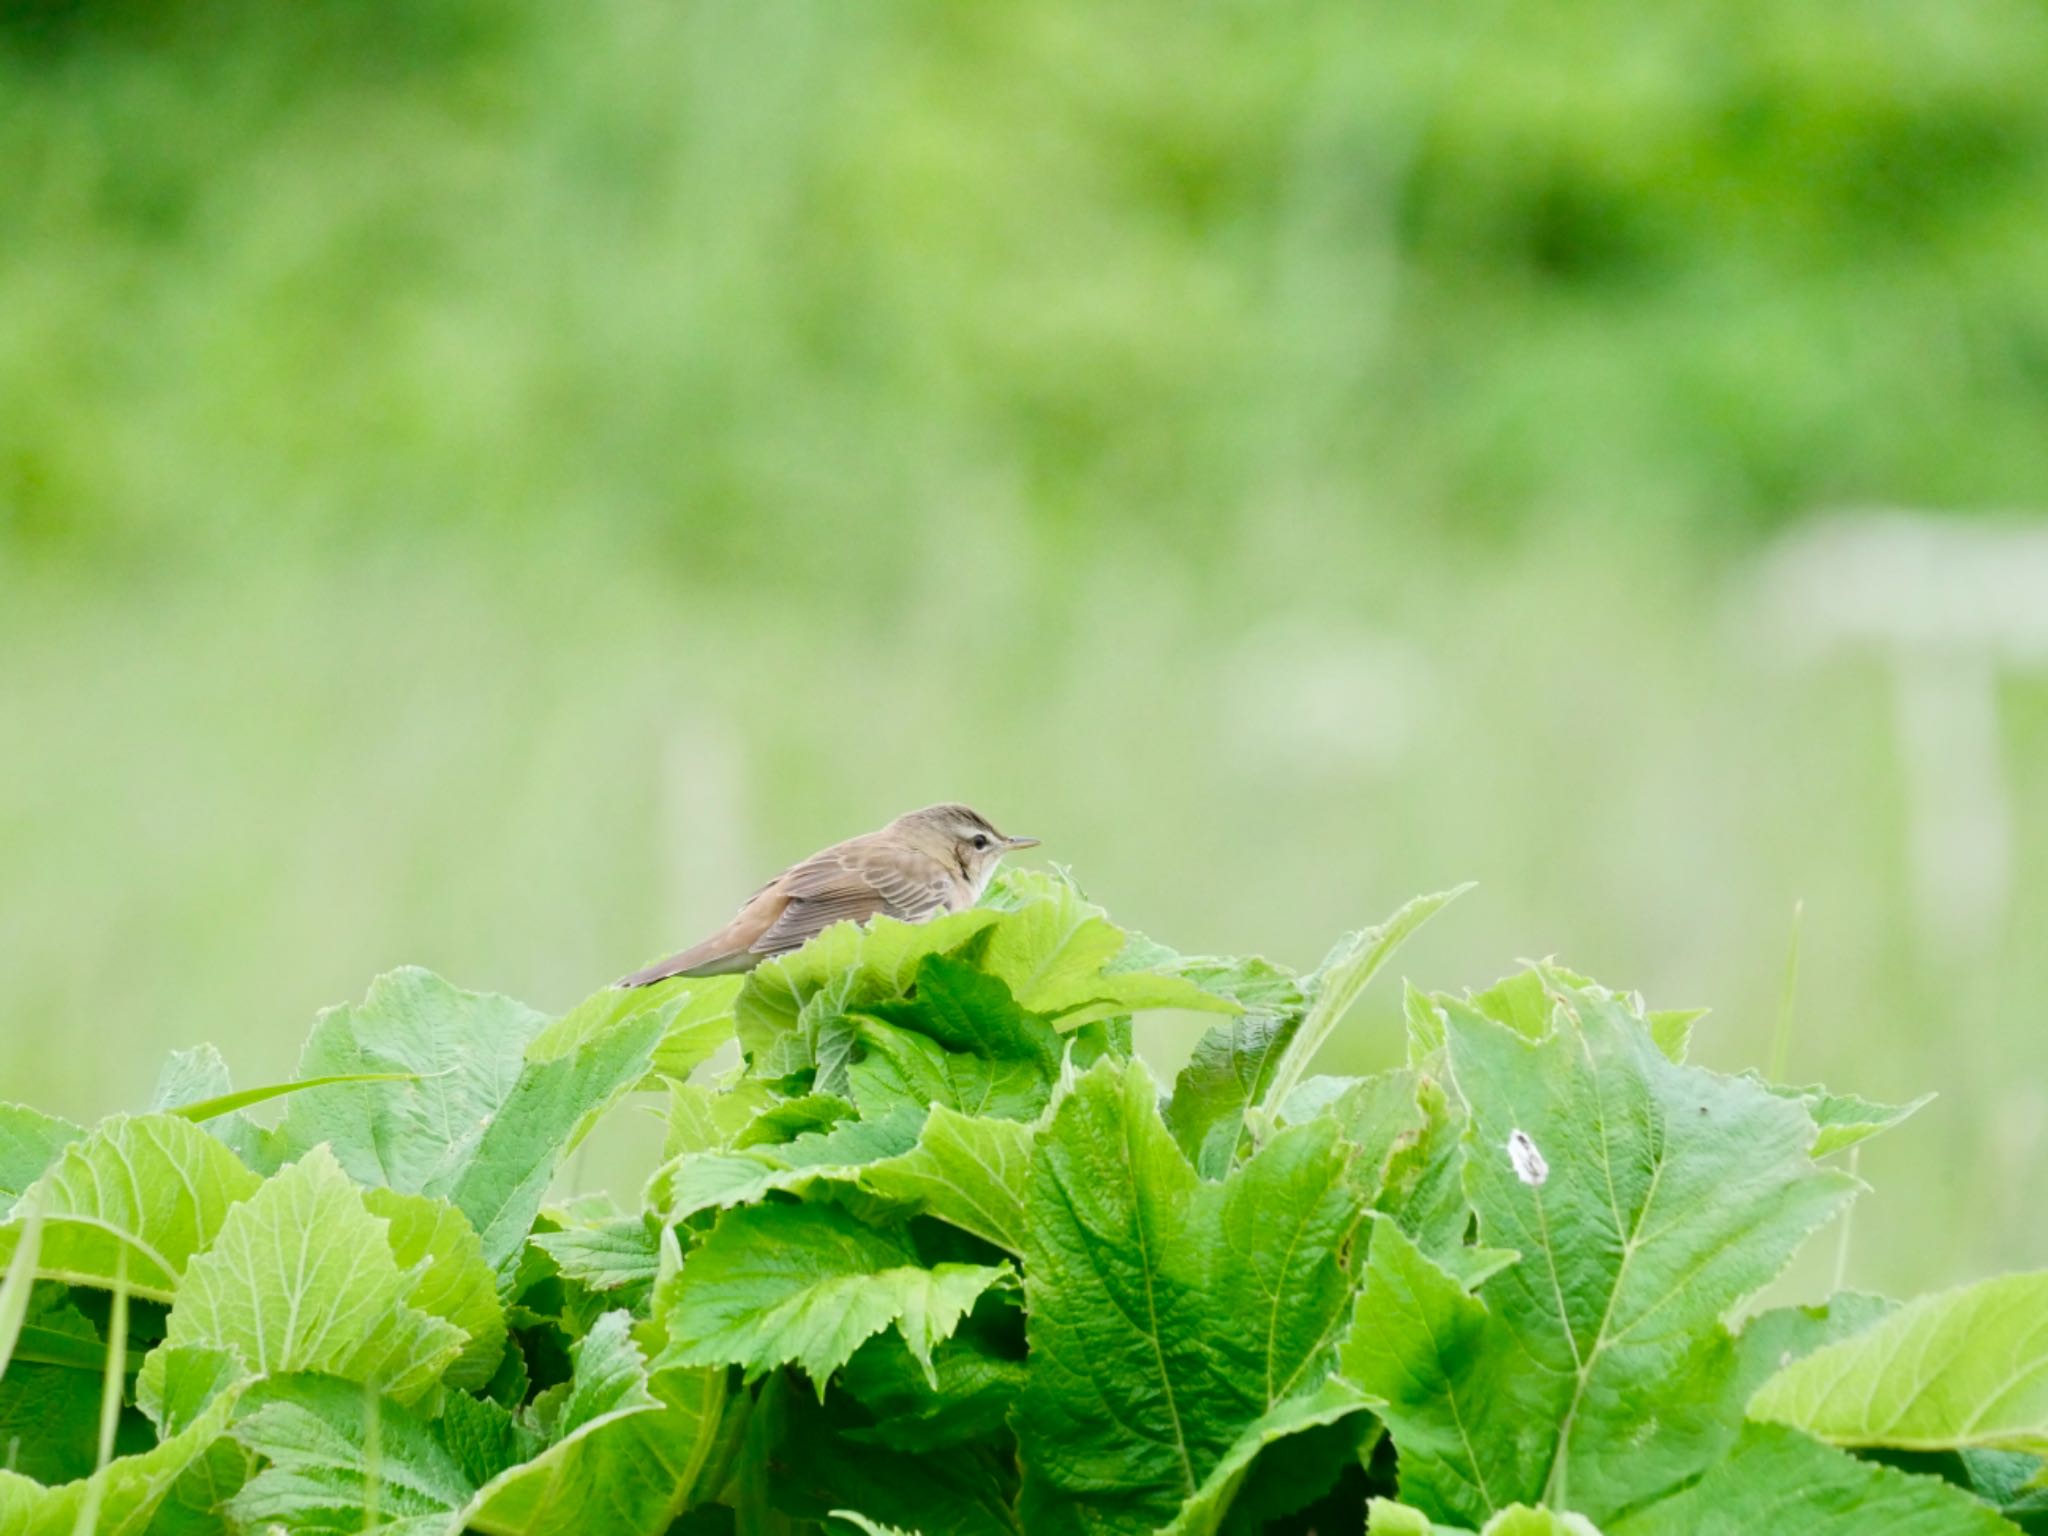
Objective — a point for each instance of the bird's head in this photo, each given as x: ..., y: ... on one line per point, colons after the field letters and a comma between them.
x: 961, y: 836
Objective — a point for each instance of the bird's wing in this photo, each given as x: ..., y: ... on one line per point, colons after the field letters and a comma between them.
x: 855, y: 881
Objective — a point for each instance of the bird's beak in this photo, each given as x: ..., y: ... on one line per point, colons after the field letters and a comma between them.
x: 1020, y: 842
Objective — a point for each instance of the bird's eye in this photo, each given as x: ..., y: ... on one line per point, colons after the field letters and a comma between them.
x: 980, y: 840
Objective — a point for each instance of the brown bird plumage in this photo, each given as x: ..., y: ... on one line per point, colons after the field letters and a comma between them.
x: 921, y: 864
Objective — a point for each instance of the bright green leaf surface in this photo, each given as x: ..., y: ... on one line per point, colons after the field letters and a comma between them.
x: 620, y: 1254
x: 808, y: 1284
x: 481, y: 1126
x: 434, y: 1242
x: 1521, y: 1520
x: 846, y: 966
x: 972, y: 1173
x: 29, y: 1142
x: 1338, y: 981
x: 1777, y: 1482
x: 1843, y: 1119
x: 156, y: 1185
x: 1167, y: 1315
x: 1056, y: 951
x: 1231, y: 1070
x: 465, y: 1051
x: 1384, y: 1517
x: 311, y: 1431
x: 1592, y: 1375
x: 701, y: 1181
x: 627, y: 1452
x: 302, y: 1278
x: 1964, y: 1369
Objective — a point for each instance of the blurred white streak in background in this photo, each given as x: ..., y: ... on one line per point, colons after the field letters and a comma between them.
x: 1950, y: 604
x: 1314, y: 699
x: 704, y: 848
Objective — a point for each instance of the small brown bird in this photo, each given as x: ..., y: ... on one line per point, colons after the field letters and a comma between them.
x: 921, y: 864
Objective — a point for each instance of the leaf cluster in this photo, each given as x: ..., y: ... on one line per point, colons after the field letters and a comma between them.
x: 938, y: 1254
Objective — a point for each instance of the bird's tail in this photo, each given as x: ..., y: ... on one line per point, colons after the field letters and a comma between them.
x: 716, y: 956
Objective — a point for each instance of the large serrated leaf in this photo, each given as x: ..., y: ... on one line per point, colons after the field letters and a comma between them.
x: 155, y: 1186
x: 479, y: 1123
x: 1167, y: 1315
x: 1967, y: 1369
x: 808, y: 1285
x: 971, y: 1173
x: 1646, y: 1200
x: 1777, y: 1482
x: 302, y: 1278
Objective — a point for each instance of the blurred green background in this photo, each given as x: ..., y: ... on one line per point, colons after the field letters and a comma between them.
x: 483, y: 484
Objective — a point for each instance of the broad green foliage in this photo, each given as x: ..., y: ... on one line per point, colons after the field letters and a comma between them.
x: 971, y: 1173
x: 1966, y: 1369
x: 775, y: 1284
x: 155, y: 1185
x: 29, y: 1142
x: 1168, y: 1315
x: 480, y: 1124
x: 939, y: 1257
x: 303, y: 1278
x: 1592, y: 1374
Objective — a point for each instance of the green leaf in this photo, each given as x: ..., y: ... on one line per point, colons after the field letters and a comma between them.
x: 1671, y: 1028
x: 1056, y: 951
x: 1204, y: 1513
x: 627, y: 1453
x: 1966, y: 1369
x: 961, y: 1040
x: 462, y: 1054
x: 311, y: 1431
x: 967, y: 1396
x: 153, y: 1184
x: 694, y: 1015
x: 121, y: 1499
x: 1384, y: 1517
x: 1592, y: 1374
x: 701, y: 1181
x: 776, y: 1284
x: 1521, y: 1520
x: 1843, y: 1119
x: 971, y: 1173
x: 227, y: 1103
x: 193, y: 1076
x: 862, y: 1523
x: 434, y: 1242
x: 783, y: 1002
x: 622, y: 1254
x: 800, y: 1462
x: 302, y: 1278
x: 49, y: 1413
x: 703, y: 1120
x: 1338, y: 981
x: 197, y: 1502
x: 1167, y: 1315
x: 623, y: 1453
x: 1775, y: 1482
x: 29, y: 1142
x: 1230, y: 1071
x: 480, y: 1125
x: 181, y: 1382
x: 18, y: 1287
